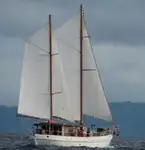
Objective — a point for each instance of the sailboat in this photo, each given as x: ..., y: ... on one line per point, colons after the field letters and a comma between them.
x: 60, y: 83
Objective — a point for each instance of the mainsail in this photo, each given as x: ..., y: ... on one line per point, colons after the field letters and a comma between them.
x: 94, y: 100
x: 34, y: 92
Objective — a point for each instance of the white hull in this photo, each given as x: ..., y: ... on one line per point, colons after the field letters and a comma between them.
x: 69, y: 141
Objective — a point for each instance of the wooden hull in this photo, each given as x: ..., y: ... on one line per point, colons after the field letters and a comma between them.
x: 69, y: 141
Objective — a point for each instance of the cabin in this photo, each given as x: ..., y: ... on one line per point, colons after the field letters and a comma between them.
x: 64, y: 129
x: 44, y: 128
x: 68, y: 129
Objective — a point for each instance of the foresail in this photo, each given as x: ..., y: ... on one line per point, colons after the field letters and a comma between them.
x: 34, y: 96
x: 34, y: 93
x: 94, y: 100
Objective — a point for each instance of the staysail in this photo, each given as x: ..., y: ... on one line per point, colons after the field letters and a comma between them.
x: 94, y: 100
x: 34, y: 98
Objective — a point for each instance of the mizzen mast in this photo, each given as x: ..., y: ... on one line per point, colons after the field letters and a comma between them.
x: 50, y: 54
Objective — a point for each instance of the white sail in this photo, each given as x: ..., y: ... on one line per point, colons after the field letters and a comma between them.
x: 34, y: 92
x: 34, y: 98
x: 61, y: 98
x: 68, y: 46
x: 94, y: 100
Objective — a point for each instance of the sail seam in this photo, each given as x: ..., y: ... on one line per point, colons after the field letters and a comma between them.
x: 68, y: 45
x: 89, y: 69
x: 41, y: 49
x: 55, y: 54
x: 37, y: 46
x: 87, y: 36
x: 56, y: 93
x: 52, y: 93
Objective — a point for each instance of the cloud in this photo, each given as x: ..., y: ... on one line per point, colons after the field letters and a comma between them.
x: 122, y: 69
x: 117, y: 29
x: 11, y: 52
x: 109, y: 21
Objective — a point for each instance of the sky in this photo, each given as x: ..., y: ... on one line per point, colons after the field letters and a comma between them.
x: 117, y: 30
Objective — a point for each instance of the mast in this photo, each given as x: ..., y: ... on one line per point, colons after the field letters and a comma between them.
x: 81, y: 64
x: 50, y: 49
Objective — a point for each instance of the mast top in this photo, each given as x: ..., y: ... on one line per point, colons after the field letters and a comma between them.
x: 82, y: 9
x: 82, y: 6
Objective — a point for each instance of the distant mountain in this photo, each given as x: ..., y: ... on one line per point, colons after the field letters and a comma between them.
x: 9, y: 122
x: 130, y: 117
